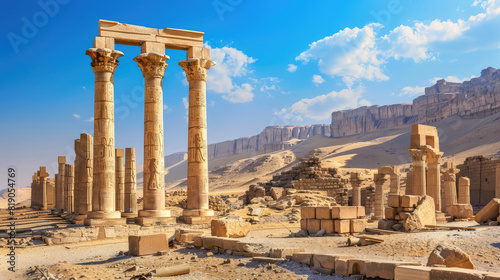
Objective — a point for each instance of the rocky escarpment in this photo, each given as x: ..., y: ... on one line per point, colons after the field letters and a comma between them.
x: 272, y: 138
x: 478, y: 97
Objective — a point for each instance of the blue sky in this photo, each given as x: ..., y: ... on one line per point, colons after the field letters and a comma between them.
x: 279, y: 63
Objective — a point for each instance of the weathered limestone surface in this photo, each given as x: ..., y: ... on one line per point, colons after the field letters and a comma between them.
x: 451, y: 256
x: 380, y: 180
x: 84, y: 188
x: 60, y: 197
x: 152, y: 62
x: 474, y: 98
x: 197, y: 177
x: 450, y: 188
x: 356, y: 190
x: 104, y: 62
x: 119, y: 180
x: 484, y: 175
x: 230, y: 228
x: 77, y: 179
x: 130, y: 181
x: 69, y: 188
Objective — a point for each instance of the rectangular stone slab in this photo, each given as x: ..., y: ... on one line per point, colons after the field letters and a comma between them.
x: 140, y: 245
x: 490, y: 211
x: 410, y: 272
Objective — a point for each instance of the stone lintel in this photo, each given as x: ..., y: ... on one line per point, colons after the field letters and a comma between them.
x: 127, y: 34
x: 104, y: 43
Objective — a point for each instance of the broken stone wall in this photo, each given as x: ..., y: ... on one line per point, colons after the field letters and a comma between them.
x: 484, y: 175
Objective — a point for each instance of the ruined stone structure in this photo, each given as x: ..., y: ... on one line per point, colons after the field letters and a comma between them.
x: 478, y: 97
x: 130, y: 184
x: 310, y: 175
x: 39, y: 192
x: 69, y: 188
x: 484, y: 175
x: 380, y: 198
x: 152, y: 62
x: 356, y: 189
x: 463, y: 190
x: 119, y: 180
x: 83, y: 177
x: 60, y: 200
x: 450, y: 184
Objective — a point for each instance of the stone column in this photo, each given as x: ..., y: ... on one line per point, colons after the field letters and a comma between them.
x: 83, y: 190
x: 418, y: 176
x: 34, y: 187
x: 130, y: 184
x: 409, y: 182
x: 119, y: 180
x: 60, y: 197
x: 197, y: 180
x: 42, y: 190
x: 104, y: 62
x: 77, y: 179
x: 450, y: 186
x: 69, y: 188
x: 380, y: 180
x: 434, y: 178
x: 463, y: 190
x: 153, y: 66
x: 56, y: 187
x: 356, y: 190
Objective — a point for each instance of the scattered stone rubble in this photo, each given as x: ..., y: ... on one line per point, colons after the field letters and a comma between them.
x: 329, y: 220
x: 490, y: 214
x: 408, y: 213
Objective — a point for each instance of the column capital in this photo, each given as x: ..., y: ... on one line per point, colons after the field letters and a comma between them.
x: 196, y: 68
x: 417, y: 154
x: 380, y: 179
x: 152, y: 64
x: 433, y: 157
x: 103, y: 60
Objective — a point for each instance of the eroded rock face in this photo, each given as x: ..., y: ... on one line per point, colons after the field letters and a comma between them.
x: 424, y: 214
x: 233, y: 228
x: 475, y: 98
x: 451, y: 256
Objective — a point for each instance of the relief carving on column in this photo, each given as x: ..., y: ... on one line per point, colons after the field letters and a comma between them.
x: 103, y: 60
x: 198, y: 148
x: 154, y: 175
x: 152, y: 64
x: 196, y: 69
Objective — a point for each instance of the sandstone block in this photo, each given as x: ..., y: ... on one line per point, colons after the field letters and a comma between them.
x: 342, y: 226
x: 455, y: 273
x: 492, y: 276
x: 198, y: 241
x: 322, y: 270
x: 357, y: 266
x: 307, y: 212
x: 358, y: 225
x: 411, y: 272
x: 277, y: 192
x: 328, y: 225
x: 140, y: 245
x: 229, y: 228
x: 313, y: 226
x: 384, y: 269
x: 386, y: 224
x: 393, y: 200
x: 391, y: 213
x: 303, y: 257
x: 323, y: 213
x: 451, y: 256
x: 342, y: 266
x: 324, y: 261
x: 361, y: 211
x: 409, y: 201
x: 303, y: 224
x: 344, y: 212
x: 230, y: 244
x: 460, y: 211
x: 490, y: 211
x: 212, y: 242
x: 283, y: 253
x: 423, y: 215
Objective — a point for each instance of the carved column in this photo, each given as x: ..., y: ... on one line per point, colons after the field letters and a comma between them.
x: 60, y: 197
x: 130, y: 184
x: 56, y: 188
x: 42, y: 190
x: 356, y: 190
x: 197, y: 180
x: 380, y: 180
x: 434, y: 178
x: 153, y: 67
x: 463, y: 190
x: 119, y: 180
x: 77, y: 179
x: 450, y: 186
x: 69, y: 188
x: 418, y: 176
x: 104, y: 62
x: 83, y: 189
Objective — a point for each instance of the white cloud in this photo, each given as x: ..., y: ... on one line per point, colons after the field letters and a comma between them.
x: 76, y: 116
x: 451, y: 79
x: 84, y: 88
x: 90, y: 120
x: 320, y: 107
x: 411, y: 91
x: 350, y: 53
x: 165, y: 107
x: 231, y: 63
x: 317, y: 79
x: 291, y: 68
x: 267, y: 88
x: 186, y: 107
x: 241, y: 94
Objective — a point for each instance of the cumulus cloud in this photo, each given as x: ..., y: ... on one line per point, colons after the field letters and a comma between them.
x: 350, y: 53
x: 231, y: 63
x: 317, y: 79
x: 411, y: 91
x: 165, y: 107
x: 291, y: 68
x: 90, y: 120
x: 320, y: 107
x: 76, y: 116
x: 451, y: 79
